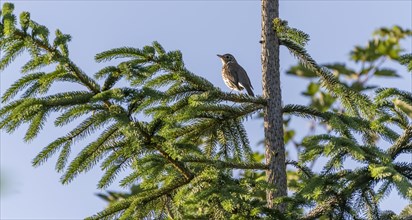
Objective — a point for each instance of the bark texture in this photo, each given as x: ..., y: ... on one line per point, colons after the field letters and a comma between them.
x: 273, y: 122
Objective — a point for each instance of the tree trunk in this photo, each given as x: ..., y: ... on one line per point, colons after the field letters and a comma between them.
x: 273, y: 122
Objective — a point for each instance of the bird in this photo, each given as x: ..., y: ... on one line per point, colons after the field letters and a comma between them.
x: 234, y: 76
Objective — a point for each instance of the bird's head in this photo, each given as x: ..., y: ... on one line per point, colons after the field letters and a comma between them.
x: 226, y: 58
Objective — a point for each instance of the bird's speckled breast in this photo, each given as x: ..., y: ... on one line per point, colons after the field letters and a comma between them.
x: 226, y: 79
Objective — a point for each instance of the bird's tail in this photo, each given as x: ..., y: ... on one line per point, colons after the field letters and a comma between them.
x: 249, y: 91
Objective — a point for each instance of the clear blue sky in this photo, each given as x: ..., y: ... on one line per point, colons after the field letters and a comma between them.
x: 200, y: 29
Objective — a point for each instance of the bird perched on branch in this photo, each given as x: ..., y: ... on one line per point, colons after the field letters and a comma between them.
x: 234, y: 76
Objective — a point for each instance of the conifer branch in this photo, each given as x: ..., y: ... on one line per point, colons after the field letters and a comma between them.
x: 301, y: 167
x: 355, y: 102
x: 113, y: 210
x: 218, y: 95
x: 90, y: 155
x: 140, y: 199
x: 236, y: 165
x: 406, y: 60
x: 343, y: 123
x: 112, y: 171
x: 226, y: 164
x: 384, y: 93
x: 404, y: 168
x: 91, y: 84
x: 84, y: 79
x: 285, y: 32
x: 403, y: 143
x: 148, y: 142
x: 321, y: 209
x: 177, y: 164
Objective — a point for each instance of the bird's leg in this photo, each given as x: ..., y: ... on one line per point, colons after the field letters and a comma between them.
x: 230, y: 94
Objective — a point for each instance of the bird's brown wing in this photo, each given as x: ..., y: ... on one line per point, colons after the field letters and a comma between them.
x: 243, y: 77
x: 244, y: 80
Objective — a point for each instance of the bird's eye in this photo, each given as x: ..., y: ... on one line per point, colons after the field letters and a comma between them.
x: 227, y: 56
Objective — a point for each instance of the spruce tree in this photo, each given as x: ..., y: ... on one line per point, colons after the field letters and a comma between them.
x: 181, y: 137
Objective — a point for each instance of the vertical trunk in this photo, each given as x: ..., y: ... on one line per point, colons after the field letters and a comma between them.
x: 273, y: 122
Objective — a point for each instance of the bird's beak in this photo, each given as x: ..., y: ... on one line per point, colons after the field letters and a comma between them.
x: 219, y: 55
